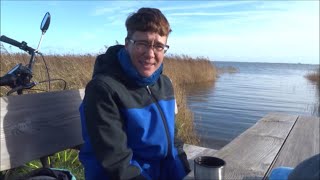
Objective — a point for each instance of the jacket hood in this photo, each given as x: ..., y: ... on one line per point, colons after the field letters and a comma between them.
x: 108, y: 63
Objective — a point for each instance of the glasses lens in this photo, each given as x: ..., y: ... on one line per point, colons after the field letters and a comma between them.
x: 166, y: 47
x: 143, y: 46
x: 158, y: 47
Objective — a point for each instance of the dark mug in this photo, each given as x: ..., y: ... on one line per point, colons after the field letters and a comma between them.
x: 208, y: 167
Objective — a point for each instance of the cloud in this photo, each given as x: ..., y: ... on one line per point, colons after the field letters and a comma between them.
x: 203, y: 5
x: 289, y: 34
x: 118, y: 7
x: 237, y: 20
x: 102, y: 11
x: 245, y: 29
x: 233, y: 13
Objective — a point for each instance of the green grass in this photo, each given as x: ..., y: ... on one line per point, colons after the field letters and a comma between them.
x: 67, y: 159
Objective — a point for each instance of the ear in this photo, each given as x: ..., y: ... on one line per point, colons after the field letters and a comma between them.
x: 126, y: 43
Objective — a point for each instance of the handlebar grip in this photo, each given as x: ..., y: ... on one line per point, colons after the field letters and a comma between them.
x: 13, y: 42
x: 7, y: 80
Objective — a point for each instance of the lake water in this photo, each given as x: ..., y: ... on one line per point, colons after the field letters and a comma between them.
x: 226, y: 108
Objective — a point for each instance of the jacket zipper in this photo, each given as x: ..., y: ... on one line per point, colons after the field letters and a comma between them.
x: 163, y: 119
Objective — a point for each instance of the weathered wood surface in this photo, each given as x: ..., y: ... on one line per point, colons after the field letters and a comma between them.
x: 37, y: 125
x: 302, y: 143
x: 250, y: 155
x: 275, y: 140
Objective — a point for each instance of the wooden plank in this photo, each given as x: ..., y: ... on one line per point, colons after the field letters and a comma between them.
x: 250, y: 155
x: 192, y: 152
x: 302, y: 143
x: 36, y: 125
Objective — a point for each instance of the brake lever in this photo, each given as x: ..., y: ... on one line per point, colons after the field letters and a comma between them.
x: 14, y: 90
x: 28, y: 86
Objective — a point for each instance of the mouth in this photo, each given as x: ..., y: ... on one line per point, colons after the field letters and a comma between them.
x: 147, y: 65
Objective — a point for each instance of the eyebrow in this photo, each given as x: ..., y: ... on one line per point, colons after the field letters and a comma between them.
x: 156, y: 42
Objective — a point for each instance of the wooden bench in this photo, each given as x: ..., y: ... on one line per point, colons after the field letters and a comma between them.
x: 36, y: 125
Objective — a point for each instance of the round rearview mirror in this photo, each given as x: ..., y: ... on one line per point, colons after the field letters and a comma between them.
x: 45, y: 22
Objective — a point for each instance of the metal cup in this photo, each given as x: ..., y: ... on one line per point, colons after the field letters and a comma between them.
x: 208, y: 167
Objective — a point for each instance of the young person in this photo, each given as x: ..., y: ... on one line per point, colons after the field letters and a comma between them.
x: 128, y: 112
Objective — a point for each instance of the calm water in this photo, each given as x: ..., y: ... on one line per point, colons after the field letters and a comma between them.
x: 226, y: 108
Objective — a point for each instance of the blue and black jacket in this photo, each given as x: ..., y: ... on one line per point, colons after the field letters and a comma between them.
x: 128, y: 130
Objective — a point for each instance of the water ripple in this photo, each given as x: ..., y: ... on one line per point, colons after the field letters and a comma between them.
x: 236, y: 101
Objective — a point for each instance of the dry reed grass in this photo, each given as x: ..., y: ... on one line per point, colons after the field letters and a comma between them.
x: 184, y: 70
x: 76, y: 70
x: 314, y: 77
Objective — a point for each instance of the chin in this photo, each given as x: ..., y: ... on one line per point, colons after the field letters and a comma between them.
x: 146, y: 74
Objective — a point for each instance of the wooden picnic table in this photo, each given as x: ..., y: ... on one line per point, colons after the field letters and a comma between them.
x: 275, y: 140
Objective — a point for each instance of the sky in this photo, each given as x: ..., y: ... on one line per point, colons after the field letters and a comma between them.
x: 247, y: 31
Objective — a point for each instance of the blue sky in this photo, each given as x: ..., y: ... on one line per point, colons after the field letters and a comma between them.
x: 249, y: 31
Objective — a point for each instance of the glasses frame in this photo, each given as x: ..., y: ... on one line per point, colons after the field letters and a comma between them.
x: 165, y: 46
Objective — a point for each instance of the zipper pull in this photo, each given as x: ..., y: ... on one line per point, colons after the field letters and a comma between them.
x: 149, y: 91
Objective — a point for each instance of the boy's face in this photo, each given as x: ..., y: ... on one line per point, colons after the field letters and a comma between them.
x: 146, y: 51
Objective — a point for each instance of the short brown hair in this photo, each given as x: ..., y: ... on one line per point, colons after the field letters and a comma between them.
x: 148, y: 19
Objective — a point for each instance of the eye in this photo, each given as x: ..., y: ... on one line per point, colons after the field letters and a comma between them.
x: 141, y: 43
x: 159, y: 47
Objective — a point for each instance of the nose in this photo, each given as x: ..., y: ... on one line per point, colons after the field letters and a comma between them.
x: 150, y: 52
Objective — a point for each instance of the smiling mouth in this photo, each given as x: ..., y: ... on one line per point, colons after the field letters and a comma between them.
x: 146, y: 65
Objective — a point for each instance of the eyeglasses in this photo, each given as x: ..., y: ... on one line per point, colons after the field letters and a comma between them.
x: 142, y: 46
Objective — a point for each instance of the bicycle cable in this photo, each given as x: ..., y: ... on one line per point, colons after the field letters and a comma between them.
x: 47, y: 69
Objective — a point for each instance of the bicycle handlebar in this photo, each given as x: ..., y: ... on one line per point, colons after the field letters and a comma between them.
x: 22, y: 45
x: 10, y: 41
x: 8, y: 80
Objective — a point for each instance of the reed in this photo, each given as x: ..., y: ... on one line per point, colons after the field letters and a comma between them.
x: 184, y: 70
x: 76, y: 70
x: 228, y: 69
x: 314, y: 77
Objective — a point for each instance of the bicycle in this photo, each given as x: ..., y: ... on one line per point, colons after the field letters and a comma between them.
x: 19, y: 78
